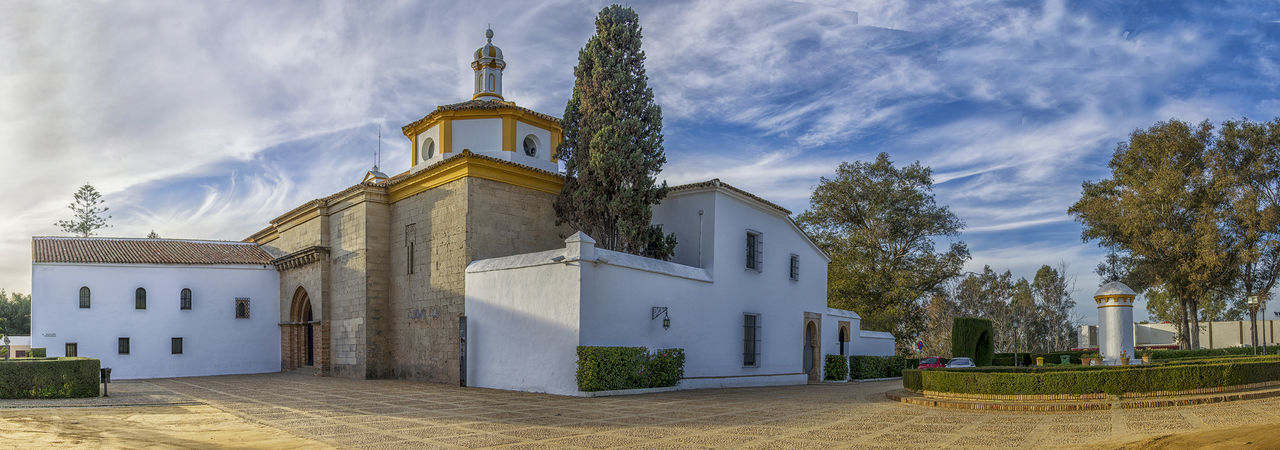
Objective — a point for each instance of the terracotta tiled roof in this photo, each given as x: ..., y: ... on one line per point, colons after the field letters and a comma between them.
x: 144, y: 251
x: 716, y: 182
x: 475, y: 105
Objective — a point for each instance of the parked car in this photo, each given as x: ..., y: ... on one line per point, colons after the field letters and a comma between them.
x: 960, y: 362
x: 931, y: 362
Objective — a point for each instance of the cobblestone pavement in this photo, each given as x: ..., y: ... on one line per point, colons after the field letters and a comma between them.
x: 122, y: 393
x: 399, y: 414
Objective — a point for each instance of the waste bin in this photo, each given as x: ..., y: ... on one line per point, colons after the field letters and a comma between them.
x: 1066, y: 359
x: 1039, y: 361
x: 106, y: 378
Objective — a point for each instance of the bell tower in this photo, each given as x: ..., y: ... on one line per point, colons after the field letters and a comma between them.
x: 488, y: 65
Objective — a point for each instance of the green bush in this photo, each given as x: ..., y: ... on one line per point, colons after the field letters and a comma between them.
x: 836, y: 368
x: 972, y: 337
x: 1078, y: 380
x: 49, y: 378
x: 36, y: 352
x: 867, y: 367
x: 911, y: 379
x: 615, y: 368
x: 1201, y: 353
x: 664, y: 367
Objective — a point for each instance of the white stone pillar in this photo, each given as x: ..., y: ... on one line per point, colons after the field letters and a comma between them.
x: 1115, y: 321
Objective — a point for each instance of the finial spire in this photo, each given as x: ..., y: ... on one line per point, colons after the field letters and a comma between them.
x: 488, y: 65
x: 488, y: 34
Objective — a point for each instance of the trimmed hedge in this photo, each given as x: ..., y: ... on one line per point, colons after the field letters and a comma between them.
x: 616, y: 368
x: 49, y: 378
x: 1200, y: 353
x: 912, y: 379
x: 867, y: 367
x: 836, y: 368
x: 36, y: 352
x: 1078, y: 380
x: 972, y: 337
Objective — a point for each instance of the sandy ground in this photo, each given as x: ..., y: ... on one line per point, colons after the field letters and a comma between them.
x: 1247, y: 436
x: 197, y: 426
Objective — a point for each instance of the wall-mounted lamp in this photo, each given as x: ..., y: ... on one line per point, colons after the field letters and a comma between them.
x: 661, y: 311
x: 557, y: 259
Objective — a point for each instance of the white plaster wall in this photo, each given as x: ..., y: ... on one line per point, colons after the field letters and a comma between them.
x: 695, y: 233
x: 874, y: 343
x: 522, y: 327
x: 1115, y: 331
x: 214, y: 341
x: 543, y: 159
x: 432, y: 133
x: 481, y: 136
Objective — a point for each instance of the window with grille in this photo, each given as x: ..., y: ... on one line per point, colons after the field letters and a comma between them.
x: 410, y: 239
x: 140, y: 299
x: 123, y: 346
x: 185, y: 302
x: 242, y: 308
x: 71, y: 349
x: 84, y: 297
x: 755, y: 250
x: 795, y: 267
x: 751, y: 340
x: 175, y: 346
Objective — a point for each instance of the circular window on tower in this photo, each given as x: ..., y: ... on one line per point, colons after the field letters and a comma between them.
x: 428, y: 149
x: 531, y: 145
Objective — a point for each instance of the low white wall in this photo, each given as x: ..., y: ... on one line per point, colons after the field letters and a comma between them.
x: 522, y: 325
x: 215, y: 342
x: 874, y: 343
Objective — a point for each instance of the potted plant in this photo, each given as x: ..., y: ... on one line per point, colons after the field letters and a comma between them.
x: 1124, y: 358
x: 1095, y: 359
x: 1146, y: 357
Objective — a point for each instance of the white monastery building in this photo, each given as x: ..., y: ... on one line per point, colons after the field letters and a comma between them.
x: 455, y: 271
x: 153, y: 308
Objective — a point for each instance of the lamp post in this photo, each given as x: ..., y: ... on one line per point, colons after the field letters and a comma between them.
x: 1254, y: 301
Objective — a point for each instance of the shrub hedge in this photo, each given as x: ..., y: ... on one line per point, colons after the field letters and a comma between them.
x: 972, y: 337
x: 867, y: 367
x: 1077, y: 380
x: 912, y: 379
x: 1201, y: 353
x: 836, y: 368
x: 36, y: 352
x: 615, y: 368
x: 49, y: 378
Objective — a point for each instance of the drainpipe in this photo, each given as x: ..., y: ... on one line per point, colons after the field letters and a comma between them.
x: 700, y: 239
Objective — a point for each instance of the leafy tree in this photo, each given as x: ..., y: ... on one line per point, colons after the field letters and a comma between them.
x: 1052, y: 290
x: 1246, y: 168
x: 879, y: 223
x: 1161, y: 208
x: 613, y: 143
x: 153, y: 235
x: 87, y: 213
x: 15, y: 313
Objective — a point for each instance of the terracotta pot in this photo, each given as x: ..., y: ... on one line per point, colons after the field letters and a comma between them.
x: 1124, y: 361
x: 1146, y: 359
x: 1084, y: 360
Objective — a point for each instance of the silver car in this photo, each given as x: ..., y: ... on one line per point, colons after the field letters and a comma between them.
x: 960, y: 362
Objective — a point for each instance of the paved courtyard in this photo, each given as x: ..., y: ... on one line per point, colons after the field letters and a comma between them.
x: 399, y: 414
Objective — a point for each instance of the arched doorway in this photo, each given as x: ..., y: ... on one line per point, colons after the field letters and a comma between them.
x: 300, y: 335
x: 811, y: 350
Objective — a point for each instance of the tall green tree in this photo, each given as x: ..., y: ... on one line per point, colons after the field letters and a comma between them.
x: 1246, y: 167
x: 1160, y: 206
x: 1054, y: 309
x: 88, y: 213
x: 879, y: 224
x: 612, y: 144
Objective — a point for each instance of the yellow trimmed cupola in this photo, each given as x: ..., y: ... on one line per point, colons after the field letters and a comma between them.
x: 487, y: 124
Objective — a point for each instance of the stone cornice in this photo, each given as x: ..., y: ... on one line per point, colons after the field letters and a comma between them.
x: 301, y: 257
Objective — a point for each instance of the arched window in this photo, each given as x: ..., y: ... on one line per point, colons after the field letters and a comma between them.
x: 242, y: 308
x: 186, y: 299
x: 140, y: 299
x: 478, y: 76
x: 84, y: 296
x: 844, y: 337
x: 492, y: 86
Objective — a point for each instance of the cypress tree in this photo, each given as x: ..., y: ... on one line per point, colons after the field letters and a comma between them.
x: 613, y: 143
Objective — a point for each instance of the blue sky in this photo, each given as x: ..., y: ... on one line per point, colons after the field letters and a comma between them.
x: 206, y: 120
